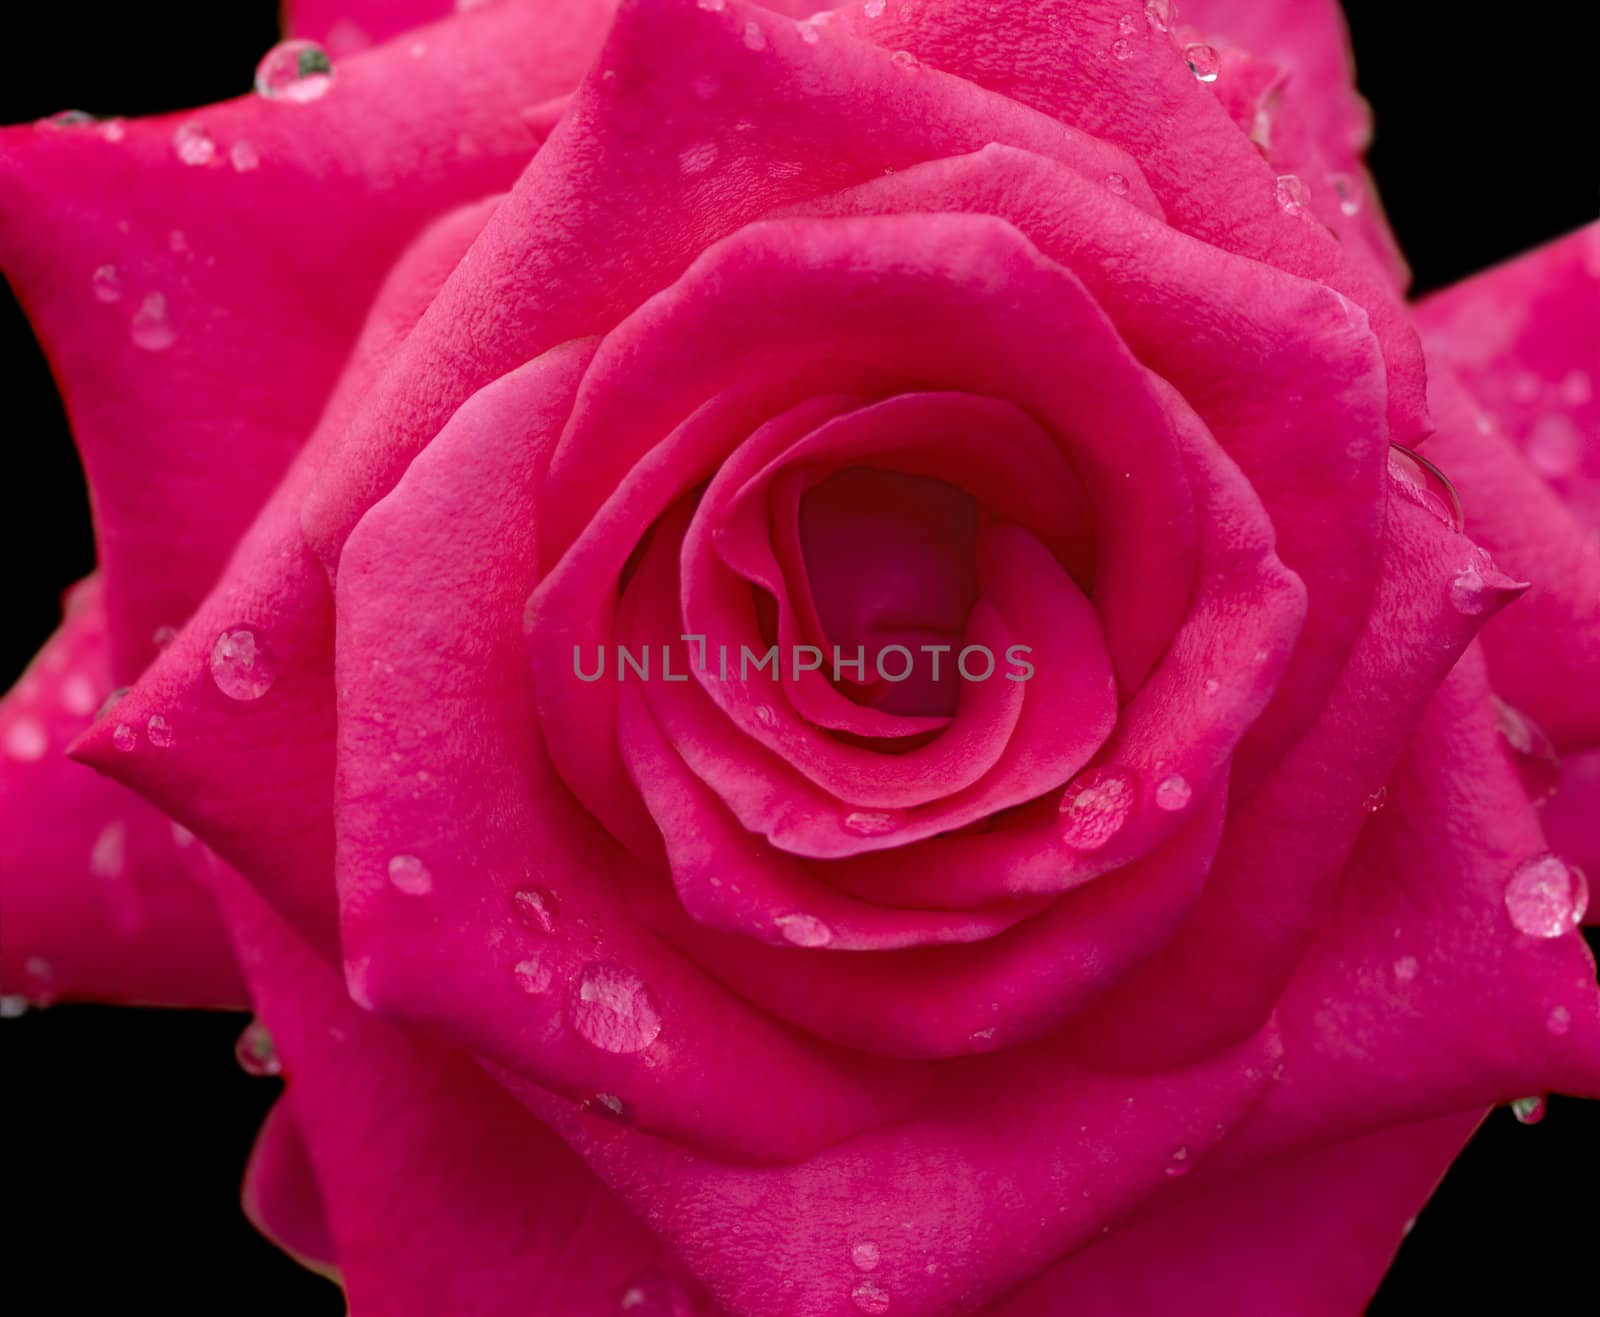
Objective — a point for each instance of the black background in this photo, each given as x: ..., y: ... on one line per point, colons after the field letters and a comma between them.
x: 125, y: 1131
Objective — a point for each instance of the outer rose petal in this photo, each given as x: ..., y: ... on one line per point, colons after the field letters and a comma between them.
x: 242, y: 285
x: 98, y: 894
x: 442, y: 1195
x: 1310, y: 1236
x: 281, y: 1195
x: 346, y: 26
x: 1572, y: 818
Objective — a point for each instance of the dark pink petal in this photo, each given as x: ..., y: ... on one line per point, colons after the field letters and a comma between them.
x: 346, y: 26
x: 440, y: 1193
x: 104, y: 899
x: 198, y: 282
x: 1310, y: 1235
x: 281, y: 1195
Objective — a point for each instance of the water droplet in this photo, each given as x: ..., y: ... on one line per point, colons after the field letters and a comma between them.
x: 870, y: 823
x: 1558, y: 1021
x: 1554, y: 447
x: 108, y: 855
x: 63, y: 119
x: 410, y: 875
x: 150, y: 329
x: 1470, y: 594
x: 712, y: 6
x: 1203, y: 61
x: 608, y: 1106
x: 537, y: 908
x: 870, y: 1297
x: 1406, y: 968
x: 241, y: 666
x: 1127, y: 25
x: 1160, y: 14
x: 295, y: 70
x: 1528, y: 1110
x: 874, y: 8
x: 1180, y: 1163
x: 107, y: 284
x: 1292, y: 193
x: 698, y: 158
x: 124, y: 737
x: 163, y: 636
x: 193, y: 143
x: 1212, y: 686
x: 766, y: 715
x: 1546, y: 897
x: 754, y: 37
x: 866, y: 1255
x: 243, y: 157
x: 11, y: 1007
x: 1095, y: 807
x: 1122, y: 48
x: 1348, y: 191
x: 809, y: 33
x: 653, y: 1293
x: 533, y: 975
x: 114, y: 130
x: 905, y: 61
x: 255, y: 1051
x: 159, y: 731
x: 26, y: 739
x: 1173, y: 793
x: 804, y: 930
x: 1377, y: 800
x: 1425, y: 485
x: 611, y: 1008
x: 983, y: 1040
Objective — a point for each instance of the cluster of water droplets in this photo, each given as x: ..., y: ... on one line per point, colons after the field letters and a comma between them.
x: 1095, y: 807
x: 869, y: 1294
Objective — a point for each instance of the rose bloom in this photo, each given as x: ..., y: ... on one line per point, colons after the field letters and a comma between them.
x: 1170, y: 978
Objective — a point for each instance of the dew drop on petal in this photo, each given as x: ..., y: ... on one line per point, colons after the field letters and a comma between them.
x: 1117, y: 184
x: 1203, y: 61
x: 1377, y: 800
x: 255, y: 1051
x: 159, y: 731
x: 653, y: 1293
x: 1173, y: 793
x: 1470, y: 594
x: 870, y: 823
x: 26, y: 739
x: 874, y: 8
x: 1406, y: 968
x: 870, y: 1297
x: 537, y: 908
x: 534, y: 976
x: 712, y: 6
x: 107, y: 284
x: 865, y: 1254
x: 62, y: 119
x: 804, y: 930
x: 1095, y: 807
x: 1528, y: 1110
x: 241, y: 665
x: 1160, y: 14
x: 108, y: 856
x: 611, y: 1008
x: 243, y: 157
x: 1292, y: 193
x: 755, y: 38
x: 905, y: 61
x: 150, y: 329
x: 193, y: 143
x: 1546, y: 896
x: 1425, y: 485
x: 410, y: 875
x: 608, y: 1106
x: 1122, y: 48
x: 296, y: 70
x: 1179, y: 1163
x: 124, y: 737
x: 1212, y: 686
x: 809, y: 33
x: 1558, y: 1021
x: 1348, y: 192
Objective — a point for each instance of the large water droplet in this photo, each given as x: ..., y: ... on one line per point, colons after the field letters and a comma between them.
x: 241, y: 665
x: 611, y: 1008
x: 106, y: 283
x: 1528, y: 1110
x: 256, y: 1052
x: 1546, y: 896
x: 1203, y: 61
x: 158, y: 731
x: 410, y: 875
x: 804, y: 930
x: 1173, y: 793
x: 150, y: 329
x: 193, y: 143
x: 1095, y: 807
x: 1425, y: 485
x: 63, y: 119
x: 653, y: 1293
x: 870, y: 1297
x: 295, y: 70
x: 866, y: 1255
x: 537, y: 908
x: 1292, y: 193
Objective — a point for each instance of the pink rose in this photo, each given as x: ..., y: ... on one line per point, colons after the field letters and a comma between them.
x: 1182, y: 946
